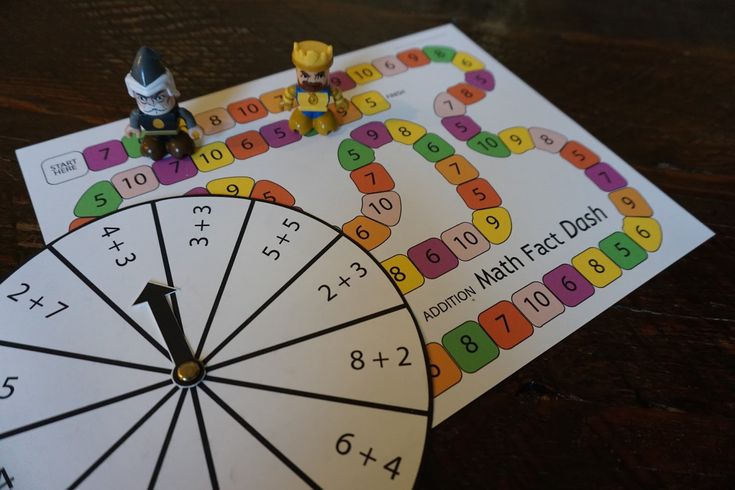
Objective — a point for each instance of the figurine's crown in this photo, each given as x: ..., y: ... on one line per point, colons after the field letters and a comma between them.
x: 312, y: 55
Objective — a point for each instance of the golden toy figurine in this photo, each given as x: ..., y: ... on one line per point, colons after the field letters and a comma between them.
x: 312, y: 92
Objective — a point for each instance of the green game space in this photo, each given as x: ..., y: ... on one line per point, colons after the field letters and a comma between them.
x: 470, y: 347
x: 353, y: 155
x: 489, y: 144
x: 623, y: 250
x: 433, y: 148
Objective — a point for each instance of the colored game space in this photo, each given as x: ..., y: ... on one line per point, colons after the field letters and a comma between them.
x: 505, y: 324
x: 433, y: 258
x: 567, y: 284
x: 470, y: 346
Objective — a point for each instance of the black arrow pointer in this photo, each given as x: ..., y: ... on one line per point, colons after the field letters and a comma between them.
x: 155, y: 295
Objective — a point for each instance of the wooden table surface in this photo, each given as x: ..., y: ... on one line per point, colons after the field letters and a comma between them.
x: 642, y: 396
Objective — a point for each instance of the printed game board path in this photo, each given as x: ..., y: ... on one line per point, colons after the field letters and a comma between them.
x: 489, y: 224
x: 106, y: 196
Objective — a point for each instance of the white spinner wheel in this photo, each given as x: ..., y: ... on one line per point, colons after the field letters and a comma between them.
x: 297, y: 364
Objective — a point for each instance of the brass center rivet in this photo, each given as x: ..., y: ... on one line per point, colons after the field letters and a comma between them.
x: 188, y: 371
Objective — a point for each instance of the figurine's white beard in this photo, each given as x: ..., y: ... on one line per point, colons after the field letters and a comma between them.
x: 157, y: 109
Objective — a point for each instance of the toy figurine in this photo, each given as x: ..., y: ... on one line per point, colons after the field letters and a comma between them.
x: 157, y: 117
x: 312, y: 60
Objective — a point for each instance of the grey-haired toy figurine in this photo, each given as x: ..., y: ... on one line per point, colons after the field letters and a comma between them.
x: 157, y: 117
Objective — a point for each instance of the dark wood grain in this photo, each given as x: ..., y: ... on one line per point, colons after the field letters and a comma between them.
x: 644, y: 395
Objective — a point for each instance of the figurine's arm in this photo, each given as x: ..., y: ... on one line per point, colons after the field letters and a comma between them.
x: 191, y: 124
x: 289, y: 94
x: 133, y: 127
x: 339, y: 101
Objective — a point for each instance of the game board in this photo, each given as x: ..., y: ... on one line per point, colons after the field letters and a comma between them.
x: 505, y: 223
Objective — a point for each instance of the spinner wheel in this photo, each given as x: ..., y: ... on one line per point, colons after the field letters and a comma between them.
x: 209, y: 342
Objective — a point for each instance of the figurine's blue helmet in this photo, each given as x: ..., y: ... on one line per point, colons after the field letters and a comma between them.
x: 148, y: 75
